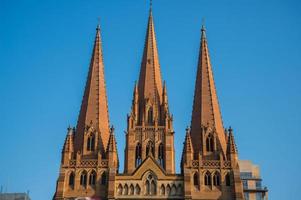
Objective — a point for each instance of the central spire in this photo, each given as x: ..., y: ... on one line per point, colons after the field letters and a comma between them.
x: 94, y: 108
x: 150, y: 83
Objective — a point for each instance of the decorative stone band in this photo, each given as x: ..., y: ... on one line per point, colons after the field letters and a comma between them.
x: 210, y: 164
x: 88, y: 163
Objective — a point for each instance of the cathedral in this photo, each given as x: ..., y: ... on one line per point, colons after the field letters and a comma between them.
x: 89, y: 166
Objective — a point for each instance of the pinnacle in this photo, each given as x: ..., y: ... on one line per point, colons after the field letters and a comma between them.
x: 232, y: 149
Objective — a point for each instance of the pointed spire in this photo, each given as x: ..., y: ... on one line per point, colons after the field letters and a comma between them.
x: 68, y: 145
x: 112, y: 154
x: 206, y: 111
x: 112, y: 141
x: 188, y: 144
x: 231, y: 148
x: 187, y: 154
x: 94, y: 108
x: 150, y: 83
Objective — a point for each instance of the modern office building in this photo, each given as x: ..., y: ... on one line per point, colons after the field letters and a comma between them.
x: 252, y: 181
x: 14, y: 196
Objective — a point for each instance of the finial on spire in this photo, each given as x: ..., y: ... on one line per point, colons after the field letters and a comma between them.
x: 203, y: 25
x: 150, y: 4
x: 98, y: 24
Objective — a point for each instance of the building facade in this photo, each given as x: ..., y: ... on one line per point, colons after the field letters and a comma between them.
x: 209, y: 165
x: 252, y: 182
x: 14, y: 196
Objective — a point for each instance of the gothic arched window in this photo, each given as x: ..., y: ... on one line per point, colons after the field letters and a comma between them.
x: 126, y: 190
x: 168, y: 188
x: 150, y: 148
x: 207, y: 178
x: 216, y: 179
x: 196, y: 179
x: 90, y: 143
x: 131, y: 192
x: 150, y: 116
x: 173, y: 191
x: 147, y: 187
x: 150, y: 184
x: 161, y: 154
x: 104, y: 178
x: 92, y: 178
x: 119, y: 189
x: 227, y: 179
x: 71, y: 179
x: 83, y: 179
x: 138, y: 158
x: 137, y: 189
x: 162, y: 190
x: 210, y: 143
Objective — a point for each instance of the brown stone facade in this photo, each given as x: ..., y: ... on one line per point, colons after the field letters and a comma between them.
x: 209, y: 165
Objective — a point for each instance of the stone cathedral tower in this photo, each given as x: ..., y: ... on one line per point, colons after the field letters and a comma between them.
x: 209, y: 165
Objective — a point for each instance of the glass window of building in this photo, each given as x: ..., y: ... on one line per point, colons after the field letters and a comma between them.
x: 245, y: 184
x: 259, y: 196
x: 247, y: 196
x: 258, y: 184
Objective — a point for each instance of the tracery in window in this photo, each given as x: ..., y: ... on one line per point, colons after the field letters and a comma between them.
x: 210, y: 143
x: 207, y: 178
x: 83, y: 179
x: 216, y: 179
x: 92, y: 178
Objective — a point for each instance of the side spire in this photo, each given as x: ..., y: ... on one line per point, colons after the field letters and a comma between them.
x: 187, y: 154
x: 231, y: 148
x: 94, y: 108
x: 206, y: 111
x: 150, y: 83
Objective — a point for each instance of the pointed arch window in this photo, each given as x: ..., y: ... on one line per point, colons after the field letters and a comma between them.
x: 71, y: 179
x: 161, y: 154
x: 210, y: 143
x: 137, y: 189
x: 150, y: 148
x: 173, y: 191
x: 91, y: 143
x: 103, y: 178
x: 168, y: 188
x: 216, y: 179
x: 138, y: 155
x: 83, y: 179
x: 131, y: 192
x: 150, y: 116
x: 162, y: 190
x: 227, y: 179
x: 150, y: 184
x: 147, y: 186
x: 126, y: 190
x: 92, y: 178
x: 119, y: 189
x: 196, y: 179
x: 207, y: 178
x: 179, y: 189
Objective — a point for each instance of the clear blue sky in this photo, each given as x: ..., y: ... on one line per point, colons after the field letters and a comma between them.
x: 45, y: 49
